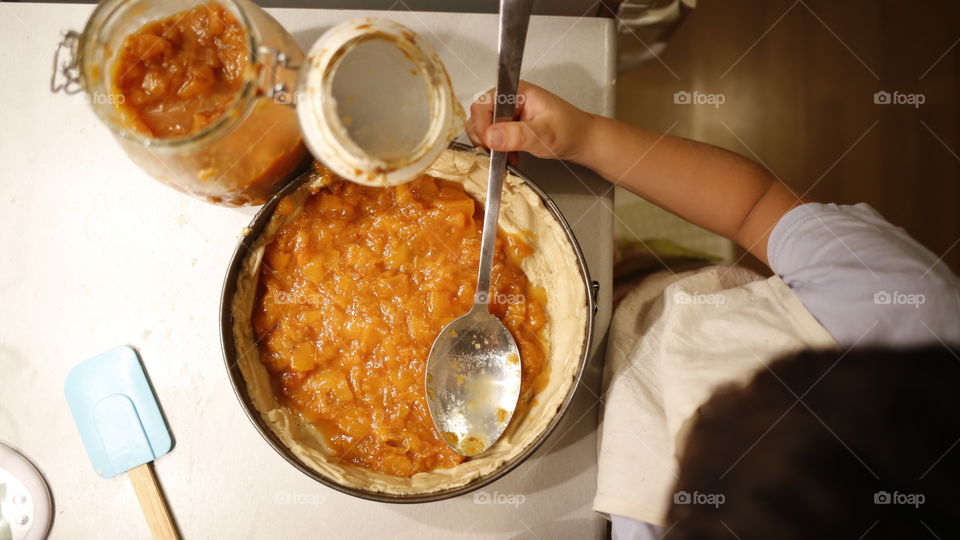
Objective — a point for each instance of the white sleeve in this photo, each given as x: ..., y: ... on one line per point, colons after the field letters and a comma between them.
x: 865, y: 280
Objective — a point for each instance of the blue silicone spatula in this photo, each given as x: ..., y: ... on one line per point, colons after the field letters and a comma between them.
x: 122, y: 427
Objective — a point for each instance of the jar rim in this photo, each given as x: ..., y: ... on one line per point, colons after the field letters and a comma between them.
x: 232, y: 116
x: 325, y: 133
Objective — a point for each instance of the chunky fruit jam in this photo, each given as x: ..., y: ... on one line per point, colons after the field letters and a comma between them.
x: 354, y: 290
x: 178, y: 75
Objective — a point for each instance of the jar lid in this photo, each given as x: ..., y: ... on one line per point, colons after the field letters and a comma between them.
x: 375, y: 103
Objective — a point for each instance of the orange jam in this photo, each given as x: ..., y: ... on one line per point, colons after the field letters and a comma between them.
x: 352, y: 294
x: 178, y: 75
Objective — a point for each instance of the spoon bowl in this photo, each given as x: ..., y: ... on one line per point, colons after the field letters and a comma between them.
x: 473, y: 381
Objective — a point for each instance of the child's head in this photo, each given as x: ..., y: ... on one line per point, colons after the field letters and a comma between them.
x: 828, y: 445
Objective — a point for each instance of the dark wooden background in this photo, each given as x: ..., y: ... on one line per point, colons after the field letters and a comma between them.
x: 799, y: 79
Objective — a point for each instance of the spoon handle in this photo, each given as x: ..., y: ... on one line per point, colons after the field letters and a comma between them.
x: 514, y: 18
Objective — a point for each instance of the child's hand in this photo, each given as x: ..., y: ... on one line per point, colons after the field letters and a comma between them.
x: 547, y: 126
x: 708, y: 186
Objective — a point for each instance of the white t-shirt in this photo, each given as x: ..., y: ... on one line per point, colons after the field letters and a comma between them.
x: 866, y: 282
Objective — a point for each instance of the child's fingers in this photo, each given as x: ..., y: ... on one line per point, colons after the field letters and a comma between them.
x: 509, y: 137
x: 481, y: 116
x: 475, y: 137
x: 477, y: 125
x: 506, y: 136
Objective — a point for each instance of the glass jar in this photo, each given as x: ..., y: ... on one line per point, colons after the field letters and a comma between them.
x: 244, y: 155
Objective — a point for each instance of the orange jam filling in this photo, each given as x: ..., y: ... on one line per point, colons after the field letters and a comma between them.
x: 178, y: 75
x: 352, y: 294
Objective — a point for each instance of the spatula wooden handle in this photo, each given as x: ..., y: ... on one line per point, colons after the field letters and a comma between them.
x: 152, y: 502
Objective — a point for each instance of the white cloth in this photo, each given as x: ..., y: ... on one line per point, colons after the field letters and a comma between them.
x: 674, y: 340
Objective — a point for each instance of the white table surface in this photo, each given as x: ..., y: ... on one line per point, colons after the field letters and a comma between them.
x: 97, y: 255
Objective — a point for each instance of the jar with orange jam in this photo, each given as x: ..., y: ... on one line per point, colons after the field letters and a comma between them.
x: 185, y: 89
x: 217, y: 100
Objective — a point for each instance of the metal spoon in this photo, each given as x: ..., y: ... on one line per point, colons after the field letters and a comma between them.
x: 473, y: 371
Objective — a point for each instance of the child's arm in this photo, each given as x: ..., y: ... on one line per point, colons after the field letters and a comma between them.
x: 711, y: 187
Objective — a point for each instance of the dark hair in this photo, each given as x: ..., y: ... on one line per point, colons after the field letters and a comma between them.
x: 827, y: 444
